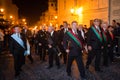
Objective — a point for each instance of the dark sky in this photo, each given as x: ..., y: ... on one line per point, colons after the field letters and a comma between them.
x: 31, y: 9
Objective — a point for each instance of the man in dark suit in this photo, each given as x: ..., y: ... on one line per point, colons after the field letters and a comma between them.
x: 73, y: 46
x: 42, y: 43
x: 62, y: 32
x: 111, y: 43
x: 104, y: 27
x: 83, y: 34
x: 95, y: 44
x: 52, y: 47
x: 27, y: 33
x: 17, y: 48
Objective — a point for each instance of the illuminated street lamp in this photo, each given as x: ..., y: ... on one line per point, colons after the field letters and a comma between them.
x: 72, y: 10
x: 79, y: 10
x: 76, y: 14
x: 23, y: 20
x: 56, y: 17
x: 76, y: 11
x: 25, y: 23
x: 2, y: 10
x: 11, y: 17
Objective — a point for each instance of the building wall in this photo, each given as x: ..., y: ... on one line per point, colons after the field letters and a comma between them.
x: 91, y: 9
x: 48, y: 16
x: 9, y: 9
x: 114, y: 10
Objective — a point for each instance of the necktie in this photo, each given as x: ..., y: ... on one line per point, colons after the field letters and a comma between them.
x: 65, y: 31
x: 51, y: 33
x: 98, y: 29
x: 82, y: 34
x: 18, y: 35
x: 75, y: 32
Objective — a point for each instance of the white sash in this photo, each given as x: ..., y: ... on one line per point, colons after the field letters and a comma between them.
x: 27, y: 52
x: 18, y: 40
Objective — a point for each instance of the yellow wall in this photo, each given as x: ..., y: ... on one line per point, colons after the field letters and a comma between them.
x: 91, y: 9
x: 9, y: 9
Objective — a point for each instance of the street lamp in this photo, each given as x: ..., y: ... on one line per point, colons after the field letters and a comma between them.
x: 25, y: 23
x: 23, y: 20
x: 2, y: 10
x: 56, y: 17
x: 11, y: 17
x: 77, y: 13
x: 72, y: 11
x: 79, y: 10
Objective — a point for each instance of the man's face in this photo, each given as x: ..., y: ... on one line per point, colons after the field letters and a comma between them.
x: 65, y: 25
x: 80, y: 27
x: 74, y: 25
x: 17, y: 30
x: 97, y: 22
x: 49, y: 29
x: 113, y: 23
x: 43, y: 28
x: 104, y: 25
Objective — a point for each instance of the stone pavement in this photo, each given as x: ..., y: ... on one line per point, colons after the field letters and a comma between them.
x: 38, y: 71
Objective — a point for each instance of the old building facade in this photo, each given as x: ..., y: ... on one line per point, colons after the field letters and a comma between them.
x: 90, y: 9
x: 10, y: 10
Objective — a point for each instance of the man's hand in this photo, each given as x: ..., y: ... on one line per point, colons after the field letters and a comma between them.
x: 89, y: 48
x: 102, y: 47
x: 62, y: 43
x: 109, y: 45
x: 40, y: 44
x: 50, y: 46
x: 67, y: 50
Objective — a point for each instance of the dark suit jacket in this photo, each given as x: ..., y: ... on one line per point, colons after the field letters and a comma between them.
x: 42, y: 37
x: 82, y: 39
x: 53, y: 40
x: 27, y: 34
x: 110, y: 40
x: 70, y: 44
x: 92, y: 40
x: 17, y: 50
x: 61, y: 34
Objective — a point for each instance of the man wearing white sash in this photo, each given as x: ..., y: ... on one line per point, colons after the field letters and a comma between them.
x: 19, y: 47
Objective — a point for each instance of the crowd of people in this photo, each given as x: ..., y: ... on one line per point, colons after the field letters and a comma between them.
x: 69, y: 43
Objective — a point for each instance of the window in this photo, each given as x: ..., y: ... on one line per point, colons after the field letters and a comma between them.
x: 91, y: 22
x: 52, y: 4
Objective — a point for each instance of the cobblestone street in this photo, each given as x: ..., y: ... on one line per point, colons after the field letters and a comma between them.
x: 38, y: 71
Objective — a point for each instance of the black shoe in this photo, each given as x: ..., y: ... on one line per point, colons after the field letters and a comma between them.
x: 106, y: 65
x: 31, y: 62
x: 49, y: 67
x: 83, y: 78
x: 98, y: 70
x: 44, y: 60
x: 17, y: 74
x: 21, y: 70
x: 87, y: 66
x: 58, y: 67
x: 69, y: 74
x: 64, y: 62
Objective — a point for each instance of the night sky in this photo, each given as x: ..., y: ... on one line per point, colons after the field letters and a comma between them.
x: 31, y: 9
